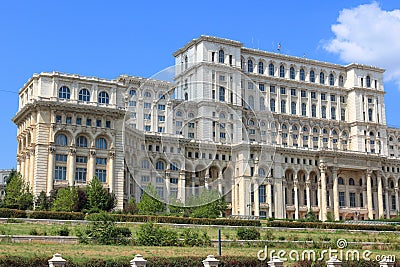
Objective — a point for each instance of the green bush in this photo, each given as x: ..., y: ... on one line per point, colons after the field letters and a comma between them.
x: 195, y: 238
x: 12, y: 213
x: 248, y: 233
x: 327, y: 225
x: 56, y: 215
x: 150, y: 234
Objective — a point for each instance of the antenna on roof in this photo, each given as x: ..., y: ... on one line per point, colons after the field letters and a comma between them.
x: 279, y: 47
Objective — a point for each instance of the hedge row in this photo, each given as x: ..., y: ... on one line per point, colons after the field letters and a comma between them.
x: 321, y: 225
x: 13, y: 261
x: 11, y: 213
x: 180, y: 220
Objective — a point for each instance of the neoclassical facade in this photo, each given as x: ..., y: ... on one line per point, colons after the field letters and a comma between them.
x: 277, y: 135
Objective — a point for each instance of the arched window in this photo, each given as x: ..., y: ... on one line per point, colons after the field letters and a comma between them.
x: 250, y: 65
x: 340, y: 181
x: 61, y: 140
x: 292, y: 73
x: 333, y: 113
x: 261, y: 172
x: 101, y: 143
x: 334, y: 132
x: 148, y: 94
x: 315, y: 130
x: 370, y: 114
x: 331, y: 79
x: 81, y: 141
x: 251, y: 102
x: 282, y: 71
x: 271, y: 69
x: 262, y: 104
x: 283, y: 106
x: 186, y: 62
x: 312, y: 76
x: 64, y: 92
x: 160, y: 165
x: 368, y: 81
x: 294, y: 128
x: 313, y: 111
x: 302, y: 75
x: 221, y: 56
x: 132, y: 92
x: 221, y: 94
x: 173, y: 166
x: 391, y: 184
x: 351, y: 181
x: 179, y: 113
x: 251, y: 122
x: 293, y: 108
x: 321, y: 78
x: 190, y: 115
x: 272, y: 104
x: 324, y: 131
x: 145, y: 164
x: 104, y: 98
x: 284, y: 126
x: 323, y: 112
x: 186, y: 96
x: 84, y: 95
x: 341, y: 81
x: 303, y: 109
x: 260, y: 67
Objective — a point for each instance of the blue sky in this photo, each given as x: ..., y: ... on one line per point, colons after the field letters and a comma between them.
x: 109, y: 38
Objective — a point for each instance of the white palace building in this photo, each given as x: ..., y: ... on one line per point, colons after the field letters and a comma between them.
x: 278, y: 135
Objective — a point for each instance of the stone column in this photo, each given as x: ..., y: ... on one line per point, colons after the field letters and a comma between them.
x: 92, y: 165
x: 220, y: 178
x: 182, y: 187
x: 50, y: 170
x: 269, y: 196
x: 167, y: 184
x: 71, y: 166
x: 308, y: 193
x: 335, y: 194
x: 369, y: 194
x: 206, y: 179
x: 22, y: 169
x: 111, y: 156
x: 396, y: 191
x: 296, y: 197
x: 256, y: 196
x: 380, y: 195
x: 322, y: 168
x: 387, y: 202
x: 193, y: 184
x: 26, y: 171
x: 32, y: 169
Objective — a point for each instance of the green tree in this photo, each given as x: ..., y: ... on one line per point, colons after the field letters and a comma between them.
x: 66, y: 199
x: 98, y: 198
x: 42, y: 202
x: 208, y: 204
x: 17, y: 195
x: 149, y: 203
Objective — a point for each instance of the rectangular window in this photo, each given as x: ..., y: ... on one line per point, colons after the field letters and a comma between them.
x: 190, y: 135
x: 230, y: 60
x: 80, y: 175
x: 313, y: 95
x: 159, y: 180
x: 81, y: 159
x: 101, y: 161
x: 272, y: 89
x: 68, y: 120
x: 333, y: 98
x: 252, y: 131
x: 58, y: 118
x: 61, y: 158
x: 342, y: 99
x: 250, y: 85
x: 191, y: 125
x: 222, y: 78
x: 147, y: 116
x: 352, y: 200
x: 132, y: 103
x: 147, y: 128
x: 161, y: 118
x: 160, y: 129
x: 178, y: 123
x: 222, y: 135
x: 261, y: 87
x: 262, y: 194
x: 303, y: 93
x: 108, y: 124
x: 161, y: 107
x: 88, y: 122
x: 323, y: 96
x: 60, y: 173
x: 147, y: 105
x: 283, y: 91
x: 78, y: 121
x: 98, y: 123
x: 293, y: 92
x: 101, y: 175
x: 145, y: 178
x: 393, y: 202
x: 160, y: 191
x: 341, y: 199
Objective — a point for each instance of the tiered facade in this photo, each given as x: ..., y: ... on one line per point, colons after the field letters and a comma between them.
x: 278, y: 135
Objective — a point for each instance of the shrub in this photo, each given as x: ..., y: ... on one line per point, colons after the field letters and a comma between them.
x: 150, y: 234
x: 12, y: 213
x: 56, y: 215
x: 248, y: 233
x: 195, y: 238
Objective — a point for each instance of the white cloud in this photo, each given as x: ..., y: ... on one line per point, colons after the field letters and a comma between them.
x: 369, y: 35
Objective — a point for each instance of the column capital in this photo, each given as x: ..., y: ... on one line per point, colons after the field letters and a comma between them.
x: 182, y: 173
x: 167, y: 173
x: 72, y: 151
x: 92, y: 152
x: 323, y: 167
x: 396, y: 190
x: 52, y: 149
x: 111, y: 154
x: 368, y: 172
x: 32, y: 151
